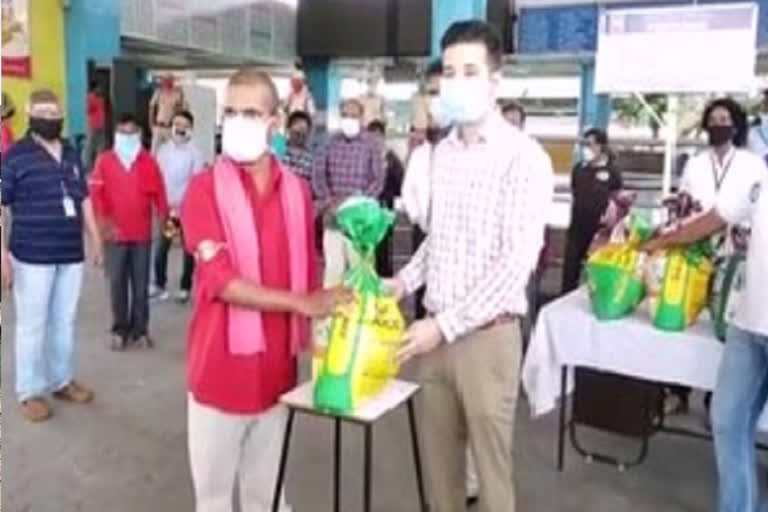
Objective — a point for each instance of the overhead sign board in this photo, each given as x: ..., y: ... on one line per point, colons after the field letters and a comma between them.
x: 696, y: 48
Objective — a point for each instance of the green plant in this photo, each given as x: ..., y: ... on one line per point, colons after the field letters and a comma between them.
x: 631, y: 110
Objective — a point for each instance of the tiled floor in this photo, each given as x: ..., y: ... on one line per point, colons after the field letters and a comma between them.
x: 127, y: 451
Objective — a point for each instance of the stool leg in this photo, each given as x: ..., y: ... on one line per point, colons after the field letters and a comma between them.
x: 283, y: 461
x: 337, y: 466
x: 417, y: 455
x: 368, y: 468
x: 563, y: 423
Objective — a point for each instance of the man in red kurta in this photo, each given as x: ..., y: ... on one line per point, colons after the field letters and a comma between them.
x: 125, y: 185
x: 249, y: 224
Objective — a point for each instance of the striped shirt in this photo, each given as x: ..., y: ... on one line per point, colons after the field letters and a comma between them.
x: 347, y: 167
x: 36, y: 187
x: 489, y: 205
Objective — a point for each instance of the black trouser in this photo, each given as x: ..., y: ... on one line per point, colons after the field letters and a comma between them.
x: 418, y: 238
x: 161, y: 265
x: 128, y: 270
x: 384, y: 255
x: 576, y: 248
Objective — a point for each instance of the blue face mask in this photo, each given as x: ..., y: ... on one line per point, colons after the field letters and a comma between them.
x: 465, y: 100
x: 127, y: 147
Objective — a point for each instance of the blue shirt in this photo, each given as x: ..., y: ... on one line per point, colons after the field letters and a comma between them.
x: 35, y: 187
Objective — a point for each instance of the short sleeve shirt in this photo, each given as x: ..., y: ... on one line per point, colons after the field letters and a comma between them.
x: 742, y: 198
x: 38, y: 189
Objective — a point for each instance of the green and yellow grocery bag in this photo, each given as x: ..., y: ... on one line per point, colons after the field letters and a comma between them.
x: 363, y: 336
x: 678, y: 285
x: 615, y: 275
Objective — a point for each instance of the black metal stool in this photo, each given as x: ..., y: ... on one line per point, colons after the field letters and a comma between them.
x: 396, y: 394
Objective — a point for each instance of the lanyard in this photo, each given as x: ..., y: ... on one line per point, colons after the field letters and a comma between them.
x: 719, y: 177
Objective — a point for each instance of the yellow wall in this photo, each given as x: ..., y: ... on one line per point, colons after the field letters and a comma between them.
x: 46, y: 26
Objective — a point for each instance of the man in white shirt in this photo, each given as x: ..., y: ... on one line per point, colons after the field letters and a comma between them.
x: 416, y: 198
x: 742, y: 386
x: 179, y: 160
x: 725, y: 123
x: 491, y: 187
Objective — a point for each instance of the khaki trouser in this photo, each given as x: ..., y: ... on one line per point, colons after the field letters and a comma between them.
x: 469, y: 394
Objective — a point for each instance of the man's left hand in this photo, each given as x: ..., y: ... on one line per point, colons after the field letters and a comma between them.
x: 421, y: 338
x: 97, y: 255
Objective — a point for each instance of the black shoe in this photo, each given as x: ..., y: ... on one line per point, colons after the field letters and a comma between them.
x: 142, y: 342
x: 472, y: 501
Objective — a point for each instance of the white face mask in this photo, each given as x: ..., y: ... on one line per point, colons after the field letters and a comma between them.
x: 350, y: 127
x: 466, y: 100
x: 587, y: 154
x: 244, y: 140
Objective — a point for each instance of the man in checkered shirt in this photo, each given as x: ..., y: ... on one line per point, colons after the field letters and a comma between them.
x: 298, y: 157
x: 349, y: 164
x: 491, y: 190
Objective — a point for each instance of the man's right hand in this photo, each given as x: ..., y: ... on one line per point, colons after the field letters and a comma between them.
x: 7, y: 271
x: 323, y: 302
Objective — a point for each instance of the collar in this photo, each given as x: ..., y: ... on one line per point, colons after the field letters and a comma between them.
x: 492, y: 127
x: 275, y: 178
x: 727, y: 159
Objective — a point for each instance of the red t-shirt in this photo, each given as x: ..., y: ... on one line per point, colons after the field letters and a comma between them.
x: 97, y: 111
x: 125, y: 197
x: 215, y: 377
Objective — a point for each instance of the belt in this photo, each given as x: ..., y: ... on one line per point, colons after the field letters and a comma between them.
x: 506, y: 318
x: 503, y: 319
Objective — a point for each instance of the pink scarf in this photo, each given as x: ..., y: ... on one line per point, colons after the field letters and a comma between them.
x: 246, y: 331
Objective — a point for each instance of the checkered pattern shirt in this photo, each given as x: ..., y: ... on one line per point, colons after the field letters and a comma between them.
x: 347, y: 167
x: 299, y: 160
x: 488, y: 212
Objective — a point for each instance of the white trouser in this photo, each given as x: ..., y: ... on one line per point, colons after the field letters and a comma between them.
x: 338, y: 255
x: 223, y: 447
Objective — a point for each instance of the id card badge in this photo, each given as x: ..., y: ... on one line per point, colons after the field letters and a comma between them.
x: 69, y: 207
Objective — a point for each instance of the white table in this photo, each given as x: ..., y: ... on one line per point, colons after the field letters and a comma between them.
x: 568, y: 335
x: 397, y: 393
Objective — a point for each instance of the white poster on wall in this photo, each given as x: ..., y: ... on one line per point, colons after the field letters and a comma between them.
x: 684, y: 49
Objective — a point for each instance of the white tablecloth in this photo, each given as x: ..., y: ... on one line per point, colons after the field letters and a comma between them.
x: 568, y: 334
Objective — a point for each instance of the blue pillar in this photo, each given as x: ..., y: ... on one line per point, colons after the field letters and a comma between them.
x: 446, y: 12
x: 324, y: 80
x: 92, y: 32
x: 594, y: 109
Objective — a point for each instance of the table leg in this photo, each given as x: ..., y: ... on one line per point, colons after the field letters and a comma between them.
x: 562, y: 423
x: 283, y: 461
x: 368, y: 468
x: 417, y: 455
x: 337, y: 466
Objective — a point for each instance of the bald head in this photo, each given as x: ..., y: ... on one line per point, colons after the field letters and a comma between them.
x: 255, y: 83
